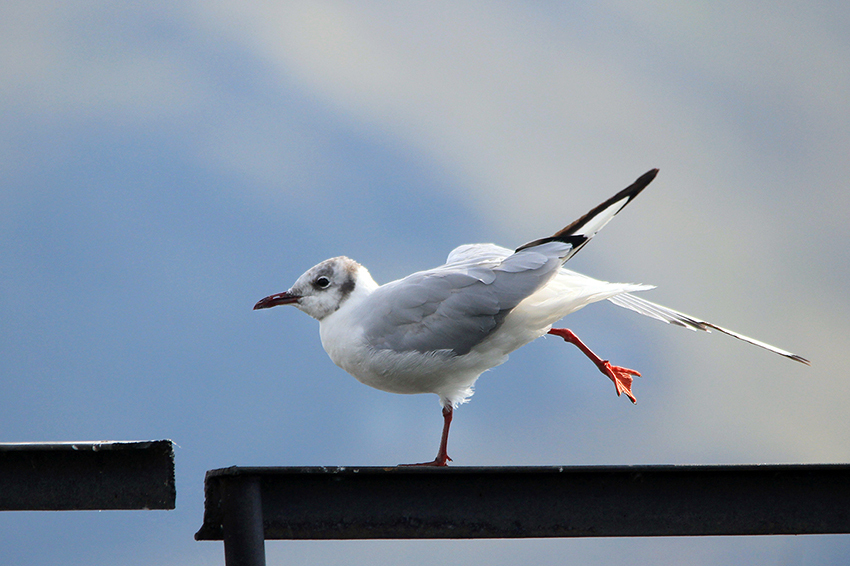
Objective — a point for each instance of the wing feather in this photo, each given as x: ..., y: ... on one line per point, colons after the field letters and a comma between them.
x: 670, y: 316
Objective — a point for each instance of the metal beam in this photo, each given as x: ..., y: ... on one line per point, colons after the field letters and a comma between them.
x: 521, y: 502
x: 87, y: 476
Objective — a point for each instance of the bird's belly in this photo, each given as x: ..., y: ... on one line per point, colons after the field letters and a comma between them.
x: 441, y: 372
x: 415, y: 372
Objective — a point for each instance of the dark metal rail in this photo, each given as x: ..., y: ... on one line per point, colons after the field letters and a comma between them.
x: 245, y: 506
x: 87, y: 476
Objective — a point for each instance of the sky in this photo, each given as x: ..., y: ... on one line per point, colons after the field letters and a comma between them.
x: 165, y: 165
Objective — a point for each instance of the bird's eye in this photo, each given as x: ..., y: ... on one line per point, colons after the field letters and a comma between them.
x: 322, y: 282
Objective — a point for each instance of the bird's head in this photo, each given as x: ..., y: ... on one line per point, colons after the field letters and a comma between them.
x: 321, y: 290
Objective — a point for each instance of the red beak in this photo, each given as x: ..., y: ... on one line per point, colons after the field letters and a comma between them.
x: 284, y: 298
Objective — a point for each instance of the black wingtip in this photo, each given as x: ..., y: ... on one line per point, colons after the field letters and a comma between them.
x: 571, y: 233
x: 632, y: 190
x: 647, y: 177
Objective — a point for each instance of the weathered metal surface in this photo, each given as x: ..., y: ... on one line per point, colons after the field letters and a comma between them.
x: 87, y: 476
x: 521, y: 502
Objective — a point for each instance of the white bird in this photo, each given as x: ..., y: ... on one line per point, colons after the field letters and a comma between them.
x: 437, y: 331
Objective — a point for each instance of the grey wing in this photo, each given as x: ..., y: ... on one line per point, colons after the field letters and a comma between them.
x: 455, y: 306
x: 670, y: 316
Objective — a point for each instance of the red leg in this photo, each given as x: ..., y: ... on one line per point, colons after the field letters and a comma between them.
x: 442, y: 458
x: 622, y: 377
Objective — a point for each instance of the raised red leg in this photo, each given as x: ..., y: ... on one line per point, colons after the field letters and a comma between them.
x: 622, y: 377
x: 442, y: 458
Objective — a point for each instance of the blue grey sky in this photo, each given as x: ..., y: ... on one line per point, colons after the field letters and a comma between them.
x: 166, y: 165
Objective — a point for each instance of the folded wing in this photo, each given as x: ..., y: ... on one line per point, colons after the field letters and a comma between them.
x: 455, y: 306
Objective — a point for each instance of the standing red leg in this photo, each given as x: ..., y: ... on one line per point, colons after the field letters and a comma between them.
x: 622, y: 377
x: 442, y: 458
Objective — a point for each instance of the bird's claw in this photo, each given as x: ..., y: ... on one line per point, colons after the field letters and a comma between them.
x: 622, y: 378
x: 437, y: 462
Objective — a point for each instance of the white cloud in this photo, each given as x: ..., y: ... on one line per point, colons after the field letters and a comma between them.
x: 74, y: 61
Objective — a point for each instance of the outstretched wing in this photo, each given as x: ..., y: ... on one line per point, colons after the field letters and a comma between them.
x: 670, y: 316
x: 578, y: 233
x: 455, y: 306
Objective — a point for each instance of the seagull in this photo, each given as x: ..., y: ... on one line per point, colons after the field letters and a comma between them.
x: 437, y: 331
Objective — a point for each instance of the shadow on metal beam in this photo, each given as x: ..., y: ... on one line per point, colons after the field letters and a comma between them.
x: 71, y: 476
